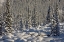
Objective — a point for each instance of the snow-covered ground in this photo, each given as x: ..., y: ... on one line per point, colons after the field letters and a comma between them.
x: 38, y: 34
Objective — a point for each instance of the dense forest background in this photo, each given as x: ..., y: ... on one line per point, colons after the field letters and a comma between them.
x: 31, y: 20
x: 32, y: 11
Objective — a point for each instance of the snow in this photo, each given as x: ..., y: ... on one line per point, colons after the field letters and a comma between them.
x: 38, y: 34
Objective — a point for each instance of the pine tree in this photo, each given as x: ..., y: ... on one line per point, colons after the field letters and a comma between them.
x: 55, y: 27
x: 28, y: 18
x: 34, y: 19
x: 21, y: 24
x: 0, y: 27
x: 26, y: 25
x: 8, y: 18
x: 48, y: 16
x: 34, y: 24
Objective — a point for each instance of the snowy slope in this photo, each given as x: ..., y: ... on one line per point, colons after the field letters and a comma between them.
x: 38, y: 34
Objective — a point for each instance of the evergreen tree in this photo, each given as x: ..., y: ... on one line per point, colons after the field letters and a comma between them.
x: 8, y: 18
x: 48, y: 16
x: 55, y: 27
x: 34, y: 24
x: 21, y: 24
x: 26, y: 25
x: 28, y: 22
x: 34, y: 19
x: 0, y: 27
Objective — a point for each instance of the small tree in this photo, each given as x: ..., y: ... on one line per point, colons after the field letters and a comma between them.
x: 48, y: 15
x: 21, y: 24
x: 26, y: 25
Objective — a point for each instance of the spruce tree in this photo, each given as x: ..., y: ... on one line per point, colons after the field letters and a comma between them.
x: 26, y: 25
x: 8, y: 18
x: 0, y: 27
x: 34, y: 24
x: 48, y: 15
x: 55, y: 22
x: 34, y: 19
x: 21, y: 24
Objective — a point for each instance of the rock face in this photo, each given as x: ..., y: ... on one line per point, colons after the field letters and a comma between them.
x: 24, y: 9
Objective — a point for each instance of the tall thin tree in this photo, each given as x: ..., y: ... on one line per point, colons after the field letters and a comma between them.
x: 21, y: 25
x: 27, y: 18
x: 8, y: 17
x: 48, y: 15
x: 34, y: 24
x: 34, y: 19
x: 0, y: 27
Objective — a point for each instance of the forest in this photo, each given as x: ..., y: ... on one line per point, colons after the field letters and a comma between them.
x: 38, y: 19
